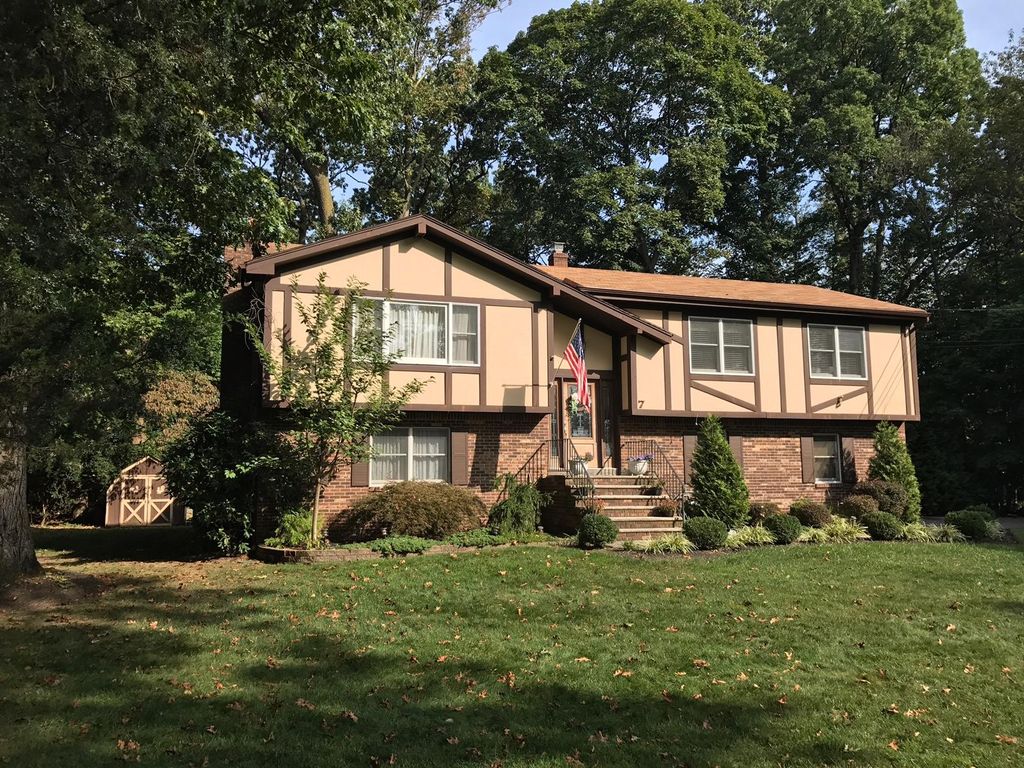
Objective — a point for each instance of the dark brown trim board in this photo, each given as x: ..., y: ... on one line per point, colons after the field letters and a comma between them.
x: 805, y: 347
x: 666, y: 351
x: 447, y: 271
x: 756, y: 355
x: 908, y: 406
x: 385, y: 276
x: 687, y: 376
x: 482, y: 330
x: 834, y: 401
x: 700, y: 387
x: 916, y: 411
x: 782, y: 365
x: 535, y: 382
x: 633, y: 401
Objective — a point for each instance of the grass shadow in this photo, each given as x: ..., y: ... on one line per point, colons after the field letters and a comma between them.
x: 73, y: 544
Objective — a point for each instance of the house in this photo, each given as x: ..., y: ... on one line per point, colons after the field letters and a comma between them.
x: 799, y: 374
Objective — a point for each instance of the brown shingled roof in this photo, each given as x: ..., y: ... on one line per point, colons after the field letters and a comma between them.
x: 613, y: 283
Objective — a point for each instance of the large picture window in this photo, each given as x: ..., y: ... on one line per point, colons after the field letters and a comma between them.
x: 721, y: 346
x: 837, y: 351
x: 410, y: 454
x: 432, y: 333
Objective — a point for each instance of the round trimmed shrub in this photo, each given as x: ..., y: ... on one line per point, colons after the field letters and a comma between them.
x: 882, y: 526
x: 970, y: 522
x: 412, y: 508
x: 784, y: 528
x: 985, y: 509
x: 762, y: 510
x: 813, y: 514
x: 857, y: 506
x: 597, y: 531
x: 706, y: 532
x: 890, y: 497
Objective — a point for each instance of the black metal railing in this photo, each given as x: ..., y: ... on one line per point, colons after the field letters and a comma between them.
x: 659, y: 466
x: 535, y: 467
x: 576, y: 470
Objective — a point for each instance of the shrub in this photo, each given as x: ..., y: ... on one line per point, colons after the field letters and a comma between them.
x: 971, y: 523
x: 762, y: 510
x: 411, y: 508
x: 749, y: 536
x: 985, y: 509
x: 813, y: 536
x: 813, y: 514
x: 519, y: 509
x: 719, y: 490
x: 994, y: 531
x: 482, y: 537
x: 225, y: 470
x: 597, y: 531
x: 295, y: 530
x: 706, y: 532
x: 945, y: 533
x: 890, y: 497
x: 892, y: 462
x: 663, y: 545
x: 917, y: 532
x: 590, y: 506
x: 393, y: 546
x: 882, y: 526
x: 857, y: 505
x: 665, y: 510
x: 843, y: 531
x: 785, y: 529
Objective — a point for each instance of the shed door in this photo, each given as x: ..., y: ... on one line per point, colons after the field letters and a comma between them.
x: 145, y: 500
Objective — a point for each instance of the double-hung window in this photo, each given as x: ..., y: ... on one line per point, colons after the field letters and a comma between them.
x: 430, y: 333
x: 837, y: 351
x: 410, y: 454
x: 721, y: 346
x: 827, y: 463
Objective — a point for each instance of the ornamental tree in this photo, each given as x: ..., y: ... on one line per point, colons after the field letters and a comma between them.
x: 719, y: 490
x: 892, y: 462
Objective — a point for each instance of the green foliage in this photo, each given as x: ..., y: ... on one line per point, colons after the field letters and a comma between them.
x: 226, y: 470
x: 718, y: 488
x: 395, y: 546
x: 892, y: 462
x: 518, y: 510
x: 414, y: 508
x: 843, y: 531
x: 918, y: 532
x: 482, y: 537
x: 882, y: 526
x: 749, y: 536
x: 985, y: 509
x: 857, y: 505
x: 784, y: 528
x: 946, y: 533
x: 597, y: 531
x: 811, y: 513
x: 590, y: 506
x: 665, y: 510
x: 295, y: 531
x: 971, y: 523
x: 762, y: 510
x: 673, y: 544
x: 889, y: 496
x: 706, y: 532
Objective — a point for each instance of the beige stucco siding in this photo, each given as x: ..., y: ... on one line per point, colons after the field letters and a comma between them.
x: 417, y: 267
x: 767, y: 365
x: 793, y: 365
x: 466, y: 389
x: 542, y: 356
x: 366, y: 266
x: 433, y: 388
x: 704, y: 401
x: 472, y: 279
x: 887, y: 374
x: 650, y: 375
x: 599, y: 344
x: 840, y: 398
x: 509, y: 356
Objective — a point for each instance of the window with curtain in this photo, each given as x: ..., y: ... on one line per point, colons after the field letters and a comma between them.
x: 721, y: 346
x: 446, y: 334
x: 826, y: 459
x: 465, y: 334
x: 837, y: 351
x: 410, y: 454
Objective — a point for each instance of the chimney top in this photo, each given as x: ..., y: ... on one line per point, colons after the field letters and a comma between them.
x: 559, y: 258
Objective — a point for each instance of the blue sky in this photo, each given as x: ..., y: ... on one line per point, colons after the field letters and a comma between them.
x: 988, y: 22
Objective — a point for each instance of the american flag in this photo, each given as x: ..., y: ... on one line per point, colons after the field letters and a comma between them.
x: 575, y: 356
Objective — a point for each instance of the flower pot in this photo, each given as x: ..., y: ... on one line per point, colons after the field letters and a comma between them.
x: 577, y: 467
x: 639, y: 466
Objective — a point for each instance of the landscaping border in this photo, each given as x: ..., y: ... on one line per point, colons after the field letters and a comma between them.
x: 278, y: 555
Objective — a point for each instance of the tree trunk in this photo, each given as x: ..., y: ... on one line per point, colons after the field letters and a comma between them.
x: 324, y: 197
x: 316, y: 517
x: 855, y: 255
x: 17, y: 552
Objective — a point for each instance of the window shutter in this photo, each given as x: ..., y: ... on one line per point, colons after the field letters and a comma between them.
x: 460, y: 458
x: 807, y: 458
x: 848, y: 463
x: 736, y: 446
x: 361, y: 474
x: 689, y: 445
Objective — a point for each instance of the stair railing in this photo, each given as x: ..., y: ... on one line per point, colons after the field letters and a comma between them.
x: 577, y: 472
x: 659, y: 466
x: 534, y: 468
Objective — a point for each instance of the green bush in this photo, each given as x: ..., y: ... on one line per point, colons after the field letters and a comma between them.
x: 918, y: 532
x: 892, y: 462
x: 706, y: 532
x: 393, y: 546
x: 785, y: 529
x: 226, y: 470
x: 762, y: 510
x: 663, y: 545
x: 882, y: 526
x: 985, y: 509
x: 665, y: 510
x: 971, y: 523
x: 719, y: 490
x: 843, y: 531
x: 482, y: 537
x: 811, y: 513
x: 294, y: 531
x: 412, y: 508
x: 945, y: 533
x: 890, y: 497
x: 590, y: 506
x: 857, y: 506
x: 597, y: 531
x: 518, y: 511
x: 749, y: 536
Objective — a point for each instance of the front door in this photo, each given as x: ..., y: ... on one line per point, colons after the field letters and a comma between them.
x: 581, y: 428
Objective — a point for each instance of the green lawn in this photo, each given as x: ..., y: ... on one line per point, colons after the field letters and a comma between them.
x: 864, y: 655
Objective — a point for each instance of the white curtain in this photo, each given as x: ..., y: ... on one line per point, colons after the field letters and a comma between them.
x: 418, y: 331
x: 430, y: 454
x: 464, y: 334
x: 390, y: 461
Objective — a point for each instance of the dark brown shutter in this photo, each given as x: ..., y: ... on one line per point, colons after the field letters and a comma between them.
x: 689, y: 445
x: 460, y: 458
x: 736, y: 446
x: 849, y: 463
x: 807, y: 458
x: 361, y: 474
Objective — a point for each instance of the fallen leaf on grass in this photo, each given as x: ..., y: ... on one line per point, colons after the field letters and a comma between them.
x: 622, y: 673
x: 700, y: 663
x: 894, y: 745
x: 305, y: 704
x: 1007, y: 739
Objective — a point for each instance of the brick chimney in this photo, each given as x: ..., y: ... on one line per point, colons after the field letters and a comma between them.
x: 559, y: 258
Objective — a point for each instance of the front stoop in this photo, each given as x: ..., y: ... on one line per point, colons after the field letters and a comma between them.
x: 627, y: 502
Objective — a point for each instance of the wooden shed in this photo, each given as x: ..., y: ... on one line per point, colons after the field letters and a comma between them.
x: 140, y: 496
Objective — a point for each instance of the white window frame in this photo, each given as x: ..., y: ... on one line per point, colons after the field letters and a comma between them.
x: 836, y: 352
x: 447, y: 360
x: 721, y: 346
x: 410, y: 457
x: 839, y: 460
